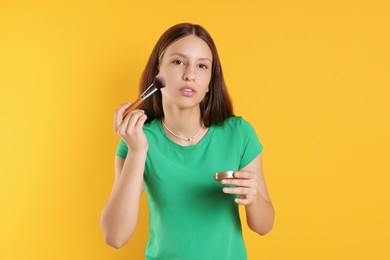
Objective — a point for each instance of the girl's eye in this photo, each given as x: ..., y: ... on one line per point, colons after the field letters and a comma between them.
x: 178, y: 62
x: 202, y: 66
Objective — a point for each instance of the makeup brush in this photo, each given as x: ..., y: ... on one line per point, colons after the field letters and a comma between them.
x: 156, y: 85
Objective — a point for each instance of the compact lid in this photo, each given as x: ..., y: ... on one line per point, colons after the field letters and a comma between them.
x: 223, y: 175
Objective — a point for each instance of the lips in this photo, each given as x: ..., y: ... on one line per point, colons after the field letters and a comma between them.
x: 187, y: 91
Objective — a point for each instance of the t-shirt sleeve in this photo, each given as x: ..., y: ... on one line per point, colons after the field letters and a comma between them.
x: 122, y: 149
x: 251, y: 143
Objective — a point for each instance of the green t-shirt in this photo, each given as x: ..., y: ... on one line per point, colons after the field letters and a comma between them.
x: 190, y: 216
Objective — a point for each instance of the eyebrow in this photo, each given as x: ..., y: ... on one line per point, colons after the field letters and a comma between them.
x: 182, y: 55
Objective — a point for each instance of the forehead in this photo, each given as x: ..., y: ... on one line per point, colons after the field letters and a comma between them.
x: 190, y: 46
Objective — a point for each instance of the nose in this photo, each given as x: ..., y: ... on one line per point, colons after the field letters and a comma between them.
x: 189, y: 75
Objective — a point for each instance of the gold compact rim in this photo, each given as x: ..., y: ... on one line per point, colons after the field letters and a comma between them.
x: 223, y: 175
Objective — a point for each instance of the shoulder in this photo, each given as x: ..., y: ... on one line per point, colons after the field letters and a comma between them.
x: 153, y: 129
x: 235, y: 127
x: 236, y: 122
x: 152, y: 125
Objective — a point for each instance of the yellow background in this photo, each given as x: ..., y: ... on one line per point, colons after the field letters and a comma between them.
x: 311, y: 76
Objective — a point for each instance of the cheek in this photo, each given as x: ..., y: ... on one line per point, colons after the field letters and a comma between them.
x: 169, y: 90
x: 163, y: 70
x: 169, y: 74
x: 206, y: 80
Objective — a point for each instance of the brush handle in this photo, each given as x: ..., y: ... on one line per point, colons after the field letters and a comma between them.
x: 132, y: 107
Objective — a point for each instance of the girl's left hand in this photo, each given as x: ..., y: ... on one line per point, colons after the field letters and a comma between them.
x: 246, y: 187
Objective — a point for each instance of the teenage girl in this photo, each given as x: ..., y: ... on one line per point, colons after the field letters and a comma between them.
x: 172, y: 146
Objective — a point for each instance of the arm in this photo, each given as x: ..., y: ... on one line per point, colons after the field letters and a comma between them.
x: 254, y: 195
x: 120, y: 214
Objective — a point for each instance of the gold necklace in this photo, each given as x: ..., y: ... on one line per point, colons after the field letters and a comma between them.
x: 182, y: 138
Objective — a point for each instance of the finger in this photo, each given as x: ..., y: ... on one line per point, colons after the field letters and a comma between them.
x: 123, y: 107
x: 244, y: 175
x: 245, y: 201
x: 135, y: 115
x: 118, y: 115
x: 240, y: 191
x: 252, y: 183
x: 124, y: 127
x: 140, y: 123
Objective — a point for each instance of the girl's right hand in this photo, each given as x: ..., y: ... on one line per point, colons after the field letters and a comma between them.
x: 130, y: 129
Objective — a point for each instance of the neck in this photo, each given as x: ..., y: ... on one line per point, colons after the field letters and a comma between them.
x: 183, y: 122
x: 184, y: 127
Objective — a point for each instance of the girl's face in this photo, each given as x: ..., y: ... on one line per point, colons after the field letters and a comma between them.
x: 186, y: 67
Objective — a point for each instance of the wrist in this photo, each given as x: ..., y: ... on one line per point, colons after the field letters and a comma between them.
x: 258, y: 200
x: 137, y: 154
x: 137, y: 150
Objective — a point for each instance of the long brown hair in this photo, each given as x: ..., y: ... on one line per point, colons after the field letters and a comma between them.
x: 216, y: 105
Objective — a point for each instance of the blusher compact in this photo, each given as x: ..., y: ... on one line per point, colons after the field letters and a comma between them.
x: 219, y: 176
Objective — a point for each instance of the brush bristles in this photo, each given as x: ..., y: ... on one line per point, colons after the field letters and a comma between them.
x: 159, y: 82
